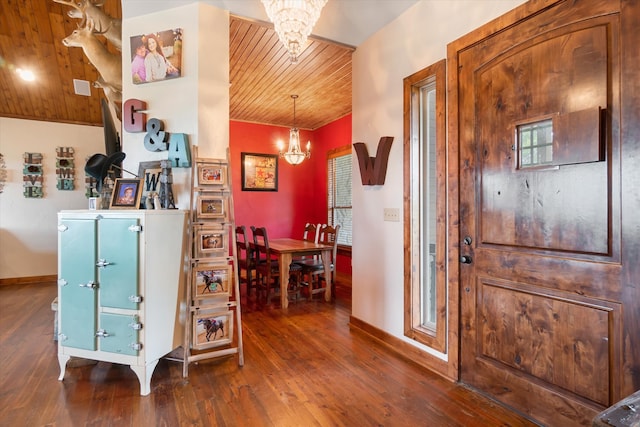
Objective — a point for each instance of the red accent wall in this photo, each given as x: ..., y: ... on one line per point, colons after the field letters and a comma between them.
x: 302, y: 189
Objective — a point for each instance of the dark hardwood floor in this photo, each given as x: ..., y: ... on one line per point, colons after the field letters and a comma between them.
x: 303, y: 367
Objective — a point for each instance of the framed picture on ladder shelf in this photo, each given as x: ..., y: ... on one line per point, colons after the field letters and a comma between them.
x: 211, y: 240
x: 212, y: 280
x: 212, y: 329
x: 213, y: 207
x: 214, y: 175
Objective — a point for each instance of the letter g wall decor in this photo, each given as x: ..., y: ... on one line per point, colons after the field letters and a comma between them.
x: 374, y: 169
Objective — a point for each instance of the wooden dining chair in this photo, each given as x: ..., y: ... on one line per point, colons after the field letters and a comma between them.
x: 268, y: 271
x: 311, y: 233
x: 313, y: 269
x: 245, y: 259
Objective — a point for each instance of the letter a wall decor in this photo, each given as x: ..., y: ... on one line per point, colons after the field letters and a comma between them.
x: 32, y: 176
x: 373, y: 170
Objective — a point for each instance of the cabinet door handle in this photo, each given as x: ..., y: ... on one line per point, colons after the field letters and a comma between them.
x: 90, y: 284
x: 135, y: 298
x: 135, y: 326
x: 102, y: 333
x: 102, y: 263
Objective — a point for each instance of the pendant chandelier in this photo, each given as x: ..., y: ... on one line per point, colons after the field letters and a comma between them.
x: 294, y: 155
x: 293, y: 20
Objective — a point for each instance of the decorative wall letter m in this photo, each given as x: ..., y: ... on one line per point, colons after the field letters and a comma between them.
x: 374, y: 169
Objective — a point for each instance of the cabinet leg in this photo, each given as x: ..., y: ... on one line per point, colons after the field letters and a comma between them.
x: 144, y: 374
x: 62, y: 360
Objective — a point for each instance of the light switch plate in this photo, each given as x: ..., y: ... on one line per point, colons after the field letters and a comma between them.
x: 392, y: 214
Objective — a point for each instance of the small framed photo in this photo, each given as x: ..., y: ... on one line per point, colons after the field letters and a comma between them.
x: 212, y: 329
x: 259, y: 172
x: 149, y: 173
x: 212, y: 174
x: 126, y: 194
x: 212, y: 207
x: 212, y: 280
x: 211, y: 241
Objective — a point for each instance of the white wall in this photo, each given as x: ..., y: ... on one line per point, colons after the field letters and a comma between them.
x: 415, y: 40
x: 196, y: 104
x: 28, y: 227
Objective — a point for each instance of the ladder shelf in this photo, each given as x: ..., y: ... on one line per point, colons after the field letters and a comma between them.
x: 214, y: 324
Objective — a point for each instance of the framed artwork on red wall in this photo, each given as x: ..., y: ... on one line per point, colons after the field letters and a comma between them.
x: 259, y: 172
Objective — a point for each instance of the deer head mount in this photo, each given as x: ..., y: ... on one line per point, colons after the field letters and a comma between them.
x: 85, y: 10
x: 94, y: 22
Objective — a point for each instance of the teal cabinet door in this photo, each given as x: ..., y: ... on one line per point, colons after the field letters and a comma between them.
x: 77, y: 281
x: 118, y: 252
x: 118, y: 334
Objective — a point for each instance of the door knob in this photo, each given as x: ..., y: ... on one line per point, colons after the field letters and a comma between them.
x: 465, y: 259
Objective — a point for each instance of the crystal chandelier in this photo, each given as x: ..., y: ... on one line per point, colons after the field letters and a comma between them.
x: 294, y: 155
x: 293, y: 21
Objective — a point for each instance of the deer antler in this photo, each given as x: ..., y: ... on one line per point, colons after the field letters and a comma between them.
x: 67, y: 3
x: 104, y: 25
x: 99, y: 31
x: 75, y: 6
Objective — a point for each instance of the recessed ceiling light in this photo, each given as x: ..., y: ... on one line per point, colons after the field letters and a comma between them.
x: 26, y: 74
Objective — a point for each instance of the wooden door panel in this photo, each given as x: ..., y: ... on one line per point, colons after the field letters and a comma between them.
x: 556, y: 273
x: 556, y: 339
x: 538, y: 209
x: 542, y: 301
x: 559, y: 76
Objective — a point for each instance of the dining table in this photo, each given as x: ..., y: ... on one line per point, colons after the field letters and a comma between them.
x: 286, y: 248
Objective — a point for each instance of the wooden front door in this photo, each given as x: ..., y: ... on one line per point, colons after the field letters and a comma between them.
x: 548, y: 278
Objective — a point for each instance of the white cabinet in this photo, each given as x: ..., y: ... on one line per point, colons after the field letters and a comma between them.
x: 121, y: 287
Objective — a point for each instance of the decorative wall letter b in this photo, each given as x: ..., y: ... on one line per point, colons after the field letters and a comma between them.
x: 373, y: 170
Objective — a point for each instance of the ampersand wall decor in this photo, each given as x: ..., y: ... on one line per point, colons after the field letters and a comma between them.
x: 154, y: 140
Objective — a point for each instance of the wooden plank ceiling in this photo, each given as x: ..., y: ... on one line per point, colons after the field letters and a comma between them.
x: 261, y: 75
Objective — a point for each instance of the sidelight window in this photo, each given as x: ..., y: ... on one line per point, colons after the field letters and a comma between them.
x: 424, y: 195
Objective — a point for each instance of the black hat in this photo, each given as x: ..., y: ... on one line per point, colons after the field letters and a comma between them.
x: 98, y: 165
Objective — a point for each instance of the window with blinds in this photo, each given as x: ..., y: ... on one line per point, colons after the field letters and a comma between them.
x: 339, y: 193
